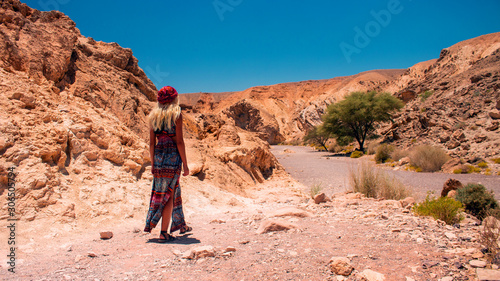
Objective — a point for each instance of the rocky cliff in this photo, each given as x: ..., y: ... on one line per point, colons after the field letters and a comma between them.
x: 73, y: 124
x: 453, y: 101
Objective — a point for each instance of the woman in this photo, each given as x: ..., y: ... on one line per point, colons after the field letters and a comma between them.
x: 168, y: 153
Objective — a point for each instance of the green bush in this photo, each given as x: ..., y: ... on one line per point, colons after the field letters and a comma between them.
x: 426, y: 95
x: 444, y: 208
x: 496, y: 160
x: 429, y: 158
x: 482, y: 164
x: 477, y: 200
x: 376, y: 184
x: 383, y: 153
x: 356, y: 154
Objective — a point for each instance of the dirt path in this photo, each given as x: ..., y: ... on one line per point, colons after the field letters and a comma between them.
x: 377, y: 235
x: 311, y: 167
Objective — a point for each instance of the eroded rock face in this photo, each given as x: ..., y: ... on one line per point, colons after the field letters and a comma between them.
x: 455, y: 102
x: 250, y: 116
x: 73, y: 123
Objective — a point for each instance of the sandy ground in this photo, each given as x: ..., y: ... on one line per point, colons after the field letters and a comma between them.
x: 377, y: 235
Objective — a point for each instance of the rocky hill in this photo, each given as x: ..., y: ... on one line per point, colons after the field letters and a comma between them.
x: 73, y: 124
x: 452, y: 102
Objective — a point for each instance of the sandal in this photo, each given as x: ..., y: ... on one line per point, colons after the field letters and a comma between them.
x: 166, y: 237
x: 185, y: 229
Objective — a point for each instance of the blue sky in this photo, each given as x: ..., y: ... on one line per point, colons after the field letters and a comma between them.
x: 231, y: 45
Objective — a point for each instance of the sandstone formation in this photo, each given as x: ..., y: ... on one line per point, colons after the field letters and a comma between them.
x: 73, y: 124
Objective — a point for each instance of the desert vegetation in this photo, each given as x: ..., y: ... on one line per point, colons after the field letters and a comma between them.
x: 357, y: 114
x: 478, y: 201
x: 443, y: 208
x: 377, y: 184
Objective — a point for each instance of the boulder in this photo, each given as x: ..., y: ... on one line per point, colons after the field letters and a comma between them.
x: 321, y: 198
x: 450, y: 184
x: 487, y: 274
x: 341, y: 266
x: 451, y: 165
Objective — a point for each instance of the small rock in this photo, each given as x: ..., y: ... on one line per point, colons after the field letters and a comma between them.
x: 408, y: 201
x: 450, y: 236
x: 477, y: 263
x: 370, y: 275
x: 136, y: 230
x: 199, y: 252
x: 447, y: 278
x: 106, y: 235
x: 341, y: 266
x: 92, y: 254
x: 274, y: 225
x: 321, y: 198
x: 487, y: 274
x: 177, y: 253
x: 243, y: 242
x: 477, y: 255
x: 420, y: 240
x: 230, y: 249
x: 79, y: 258
x: 404, y: 161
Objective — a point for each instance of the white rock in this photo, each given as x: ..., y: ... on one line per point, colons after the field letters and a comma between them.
x: 477, y: 263
x: 370, y: 275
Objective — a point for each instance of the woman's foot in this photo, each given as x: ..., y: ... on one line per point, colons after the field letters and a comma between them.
x: 165, y: 237
x: 185, y: 229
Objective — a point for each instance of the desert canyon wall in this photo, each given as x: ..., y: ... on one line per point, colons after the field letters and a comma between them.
x: 73, y: 122
x: 452, y: 102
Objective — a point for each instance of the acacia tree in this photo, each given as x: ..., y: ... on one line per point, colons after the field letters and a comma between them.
x: 357, y: 114
x: 317, y: 136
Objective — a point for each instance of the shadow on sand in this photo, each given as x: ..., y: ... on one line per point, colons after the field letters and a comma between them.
x: 180, y: 240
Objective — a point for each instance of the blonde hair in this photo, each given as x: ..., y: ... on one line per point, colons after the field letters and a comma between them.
x: 164, y: 115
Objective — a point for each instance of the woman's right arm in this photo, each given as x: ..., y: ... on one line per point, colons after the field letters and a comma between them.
x: 152, y: 143
x: 180, y: 145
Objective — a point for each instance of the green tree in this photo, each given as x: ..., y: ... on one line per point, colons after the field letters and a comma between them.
x: 357, y: 114
x: 317, y: 136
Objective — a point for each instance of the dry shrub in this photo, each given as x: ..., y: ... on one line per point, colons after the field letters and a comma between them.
x: 427, y: 157
x: 489, y: 238
x: 372, y: 148
x: 315, y: 189
x: 398, y: 154
x: 377, y: 184
x: 383, y: 153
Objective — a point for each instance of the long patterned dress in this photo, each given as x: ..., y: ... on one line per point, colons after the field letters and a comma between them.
x: 166, y: 172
